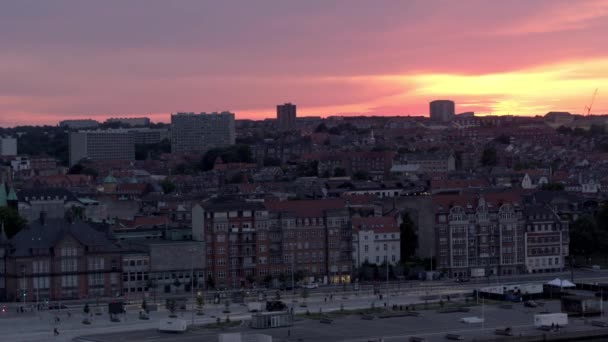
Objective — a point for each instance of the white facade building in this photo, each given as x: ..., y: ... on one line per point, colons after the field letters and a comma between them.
x: 376, y: 239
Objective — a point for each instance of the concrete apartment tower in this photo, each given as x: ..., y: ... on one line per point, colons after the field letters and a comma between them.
x: 286, y: 117
x: 442, y: 111
x: 191, y: 132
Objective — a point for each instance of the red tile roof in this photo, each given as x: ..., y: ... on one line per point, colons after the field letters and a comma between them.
x: 458, y: 183
x: 496, y: 199
x: 379, y: 224
x: 305, y: 208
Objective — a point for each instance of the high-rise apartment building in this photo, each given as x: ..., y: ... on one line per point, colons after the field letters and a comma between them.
x: 8, y: 146
x: 192, y: 132
x: 442, y: 110
x: 130, y: 121
x: 286, y: 117
x: 79, y: 124
x: 102, y: 145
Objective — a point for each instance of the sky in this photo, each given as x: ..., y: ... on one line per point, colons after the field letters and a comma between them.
x: 69, y: 59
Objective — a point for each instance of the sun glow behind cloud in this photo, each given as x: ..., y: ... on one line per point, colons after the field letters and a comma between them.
x: 561, y: 86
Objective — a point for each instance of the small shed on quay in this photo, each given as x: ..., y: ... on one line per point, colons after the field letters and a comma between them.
x: 273, y: 319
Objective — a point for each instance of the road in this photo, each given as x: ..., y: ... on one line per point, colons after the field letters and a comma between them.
x: 39, y: 326
x: 431, y: 325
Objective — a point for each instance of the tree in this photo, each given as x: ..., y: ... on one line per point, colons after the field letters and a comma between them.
x: 167, y: 185
x: 552, y: 187
x: 583, y: 234
x: 80, y: 169
x: 171, y: 305
x: 367, y: 271
x: 13, y: 223
x: 503, y: 139
x: 304, y: 294
x: 200, y: 302
x: 270, y: 161
x: 339, y: 172
x: 321, y: 128
x: 408, y: 237
x: 489, y: 157
x: 210, y: 282
x: 309, y: 169
x: 361, y: 175
x: 231, y: 154
x: 268, y: 280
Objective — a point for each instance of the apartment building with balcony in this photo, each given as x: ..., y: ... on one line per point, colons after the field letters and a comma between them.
x: 235, y: 235
x: 311, y: 237
x: 480, y: 234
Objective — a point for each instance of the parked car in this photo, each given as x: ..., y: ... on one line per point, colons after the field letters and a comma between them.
x: 57, y: 307
x: 275, y: 305
x: 530, y: 304
x: 311, y: 286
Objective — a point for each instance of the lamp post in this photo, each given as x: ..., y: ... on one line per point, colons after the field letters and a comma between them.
x: 192, y: 251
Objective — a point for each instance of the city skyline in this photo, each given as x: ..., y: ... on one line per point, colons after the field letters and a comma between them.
x: 71, y: 60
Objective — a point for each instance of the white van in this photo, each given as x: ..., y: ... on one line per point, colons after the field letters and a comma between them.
x: 172, y: 325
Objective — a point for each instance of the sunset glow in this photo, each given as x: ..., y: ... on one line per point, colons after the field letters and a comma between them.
x: 354, y: 58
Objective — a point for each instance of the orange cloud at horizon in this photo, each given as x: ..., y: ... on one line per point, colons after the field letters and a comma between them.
x: 561, y: 86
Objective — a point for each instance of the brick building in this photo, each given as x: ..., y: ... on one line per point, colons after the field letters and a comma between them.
x: 235, y: 233
x: 53, y: 259
x: 547, y: 239
x: 313, y: 237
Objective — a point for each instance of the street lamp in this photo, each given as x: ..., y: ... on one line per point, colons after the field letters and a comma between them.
x: 192, y: 250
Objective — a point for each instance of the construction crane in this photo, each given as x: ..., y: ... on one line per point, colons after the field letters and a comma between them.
x: 588, y: 108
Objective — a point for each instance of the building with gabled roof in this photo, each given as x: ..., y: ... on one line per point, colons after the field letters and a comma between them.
x: 57, y: 259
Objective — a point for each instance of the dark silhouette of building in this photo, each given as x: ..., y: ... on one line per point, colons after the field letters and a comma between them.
x: 442, y: 110
x: 286, y: 117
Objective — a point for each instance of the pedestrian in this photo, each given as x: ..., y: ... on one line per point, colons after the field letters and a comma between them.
x: 288, y: 332
x: 325, y: 298
x: 55, y: 331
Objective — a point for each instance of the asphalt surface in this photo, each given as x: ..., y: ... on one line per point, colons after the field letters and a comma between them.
x: 431, y: 325
x: 38, y: 326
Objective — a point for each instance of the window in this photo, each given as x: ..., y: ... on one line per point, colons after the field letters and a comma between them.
x: 69, y: 265
x: 96, y: 279
x: 95, y: 263
x: 40, y: 266
x: 41, y: 282
x: 69, y: 281
x: 68, y: 252
x: 366, y: 248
